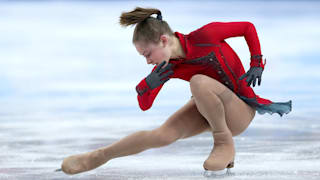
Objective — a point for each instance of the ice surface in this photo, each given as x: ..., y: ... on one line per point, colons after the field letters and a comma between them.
x: 68, y: 73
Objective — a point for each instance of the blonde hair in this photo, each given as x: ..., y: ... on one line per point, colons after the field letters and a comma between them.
x: 148, y: 29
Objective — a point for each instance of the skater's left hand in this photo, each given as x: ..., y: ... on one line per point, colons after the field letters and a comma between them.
x: 252, y: 75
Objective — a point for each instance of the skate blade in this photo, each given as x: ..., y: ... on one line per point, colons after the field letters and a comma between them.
x: 220, y: 173
x: 57, y: 170
x: 230, y: 165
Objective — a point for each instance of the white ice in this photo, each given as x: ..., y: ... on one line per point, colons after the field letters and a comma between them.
x: 68, y: 73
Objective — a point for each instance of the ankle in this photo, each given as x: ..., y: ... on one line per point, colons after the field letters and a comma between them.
x: 105, y: 152
x: 223, y: 137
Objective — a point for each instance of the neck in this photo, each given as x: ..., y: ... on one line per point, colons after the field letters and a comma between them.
x: 176, y: 49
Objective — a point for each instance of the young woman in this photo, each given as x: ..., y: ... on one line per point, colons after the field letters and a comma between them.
x: 222, y: 101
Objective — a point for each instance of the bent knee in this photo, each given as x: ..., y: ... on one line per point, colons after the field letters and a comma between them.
x: 165, y: 137
x: 198, y: 83
x: 196, y: 80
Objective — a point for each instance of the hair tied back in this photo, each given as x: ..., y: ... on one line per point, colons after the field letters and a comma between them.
x: 159, y: 16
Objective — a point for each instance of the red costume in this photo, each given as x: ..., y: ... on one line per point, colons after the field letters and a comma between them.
x: 207, y: 53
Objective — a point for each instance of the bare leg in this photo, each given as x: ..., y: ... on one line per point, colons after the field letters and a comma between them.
x: 227, y: 115
x: 132, y: 144
x: 186, y: 122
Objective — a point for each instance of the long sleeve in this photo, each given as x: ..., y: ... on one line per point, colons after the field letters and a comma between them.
x: 218, y: 31
x: 146, y: 96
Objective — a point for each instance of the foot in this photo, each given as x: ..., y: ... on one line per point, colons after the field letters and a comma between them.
x: 83, y: 162
x: 222, y: 154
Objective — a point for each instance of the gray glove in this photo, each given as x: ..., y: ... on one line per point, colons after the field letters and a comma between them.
x: 158, y: 77
x: 252, y: 75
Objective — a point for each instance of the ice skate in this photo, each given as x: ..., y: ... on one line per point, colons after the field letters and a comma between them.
x: 219, y: 173
x: 83, y: 162
x: 221, y: 158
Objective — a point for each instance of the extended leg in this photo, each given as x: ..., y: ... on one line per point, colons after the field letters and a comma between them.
x: 186, y: 122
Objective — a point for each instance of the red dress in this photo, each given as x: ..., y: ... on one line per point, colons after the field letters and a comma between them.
x: 207, y: 53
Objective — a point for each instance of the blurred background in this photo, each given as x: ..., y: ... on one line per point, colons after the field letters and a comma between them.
x: 68, y: 73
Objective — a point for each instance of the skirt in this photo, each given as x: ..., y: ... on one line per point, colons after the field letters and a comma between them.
x: 275, y: 107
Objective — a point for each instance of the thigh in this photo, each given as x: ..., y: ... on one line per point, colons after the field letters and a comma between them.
x: 185, y: 122
x: 238, y: 114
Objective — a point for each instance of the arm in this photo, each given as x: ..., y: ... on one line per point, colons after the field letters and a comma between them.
x: 223, y: 30
x: 150, y: 86
x: 146, y: 96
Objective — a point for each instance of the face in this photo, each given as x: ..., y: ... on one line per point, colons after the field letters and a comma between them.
x: 155, y: 53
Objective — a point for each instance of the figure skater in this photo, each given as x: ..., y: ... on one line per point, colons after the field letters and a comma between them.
x: 222, y: 100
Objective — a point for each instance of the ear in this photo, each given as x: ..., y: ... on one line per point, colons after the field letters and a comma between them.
x: 164, y: 39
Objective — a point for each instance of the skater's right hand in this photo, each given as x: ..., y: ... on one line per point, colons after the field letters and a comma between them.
x: 158, y: 76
